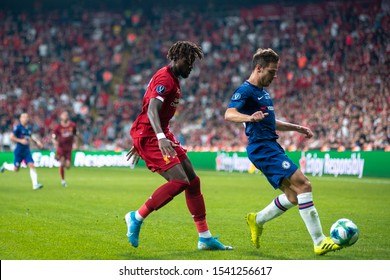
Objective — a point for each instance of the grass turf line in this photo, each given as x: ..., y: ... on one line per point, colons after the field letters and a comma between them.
x: 85, y: 220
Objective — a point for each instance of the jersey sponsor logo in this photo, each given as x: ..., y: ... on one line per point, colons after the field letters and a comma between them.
x: 266, y: 108
x: 66, y: 132
x: 236, y: 96
x: 160, y: 89
x: 286, y: 164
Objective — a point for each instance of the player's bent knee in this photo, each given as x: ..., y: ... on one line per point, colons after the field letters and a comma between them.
x: 178, y: 186
x: 194, y: 187
x: 305, y: 186
x: 300, y: 182
x: 165, y: 194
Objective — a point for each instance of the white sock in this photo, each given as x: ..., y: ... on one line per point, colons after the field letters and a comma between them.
x: 205, y: 234
x: 138, y: 216
x: 34, y: 176
x: 310, y: 216
x: 9, y: 166
x: 276, y: 208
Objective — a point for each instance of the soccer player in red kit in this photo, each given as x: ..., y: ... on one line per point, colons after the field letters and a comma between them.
x: 63, y: 138
x: 162, y: 153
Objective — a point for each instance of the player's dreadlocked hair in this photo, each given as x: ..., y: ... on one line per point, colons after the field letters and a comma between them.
x: 184, y: 49
x: 263, y: 57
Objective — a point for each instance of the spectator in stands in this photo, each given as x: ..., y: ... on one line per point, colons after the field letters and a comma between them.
x: 341, y: 68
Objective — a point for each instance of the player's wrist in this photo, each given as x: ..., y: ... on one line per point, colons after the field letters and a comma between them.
x: 160, y: 136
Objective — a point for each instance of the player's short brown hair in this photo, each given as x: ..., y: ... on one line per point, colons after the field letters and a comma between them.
x: 264, y: 57
x: 185, y: 49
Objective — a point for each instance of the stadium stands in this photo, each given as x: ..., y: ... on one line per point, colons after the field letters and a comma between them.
x: 334, y: 75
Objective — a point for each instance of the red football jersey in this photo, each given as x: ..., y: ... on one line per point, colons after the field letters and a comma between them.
x: 65, y: 135
x: 165, y: 87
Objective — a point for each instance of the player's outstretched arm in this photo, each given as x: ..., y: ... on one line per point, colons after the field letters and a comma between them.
x: 78, y: 140
x: 37, y: 141
x: 286, y: 126
x: 233, y: 115
x: 54, y: 140
x: 166, y: 146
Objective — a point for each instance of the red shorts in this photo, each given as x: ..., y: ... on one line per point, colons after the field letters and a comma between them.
x: 147, y: 148
x: 66, y: 153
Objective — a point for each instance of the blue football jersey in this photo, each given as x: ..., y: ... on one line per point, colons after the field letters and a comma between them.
x: 23, y: 133
x: 248, y: 99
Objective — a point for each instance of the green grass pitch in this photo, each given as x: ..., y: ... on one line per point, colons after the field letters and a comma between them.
x: 85, y: 220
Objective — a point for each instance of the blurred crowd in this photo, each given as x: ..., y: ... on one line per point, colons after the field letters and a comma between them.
x: 334, y: 75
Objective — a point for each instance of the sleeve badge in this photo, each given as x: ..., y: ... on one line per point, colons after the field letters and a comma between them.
x: 160, y: 89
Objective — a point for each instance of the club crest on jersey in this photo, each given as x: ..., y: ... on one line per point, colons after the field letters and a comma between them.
x: 236, y: 96
x: 160, y: 89
x: 286, y: 164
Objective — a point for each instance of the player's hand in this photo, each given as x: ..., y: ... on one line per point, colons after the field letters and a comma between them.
x: 23, y: 141
x: 167, y: 148
x: 258, y: 116
x: 133, y: 155
x: 305, y: 130
x: 40, y: 145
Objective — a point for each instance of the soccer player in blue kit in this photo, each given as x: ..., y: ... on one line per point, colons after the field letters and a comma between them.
x: 252, y: 105
x: 21, y: 135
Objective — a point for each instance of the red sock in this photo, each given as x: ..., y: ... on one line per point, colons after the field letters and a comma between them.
x: 201, y: 226
x: 196, y: 205
x: 62, y: 172
x: 144, y: 211
x: 165, y: 194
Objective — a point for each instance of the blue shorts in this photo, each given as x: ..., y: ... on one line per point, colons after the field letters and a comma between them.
x: 22, y: 154
x: 270, y: 158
